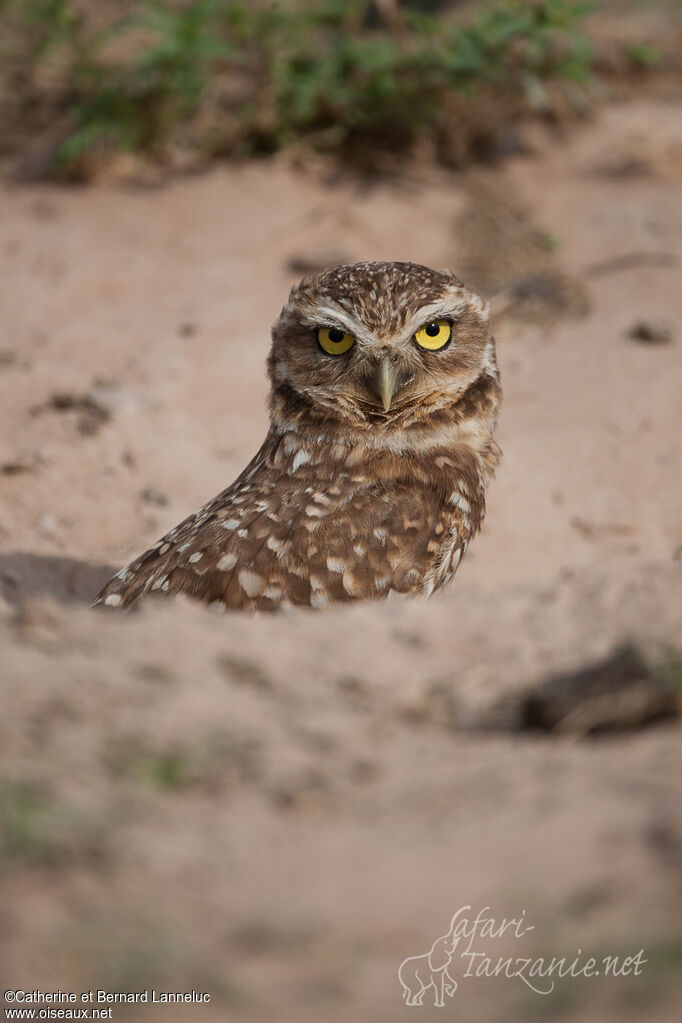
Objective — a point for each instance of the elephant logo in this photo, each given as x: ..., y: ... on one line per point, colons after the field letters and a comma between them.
x: 418, y: 973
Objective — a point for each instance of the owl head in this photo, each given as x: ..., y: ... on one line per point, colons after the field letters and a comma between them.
x: 380, y: 344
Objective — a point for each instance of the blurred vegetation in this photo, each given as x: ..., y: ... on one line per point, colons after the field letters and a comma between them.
x: 221, y: 759
x: 23, y: 828
x: 36, y: 830
x: 221, y: 78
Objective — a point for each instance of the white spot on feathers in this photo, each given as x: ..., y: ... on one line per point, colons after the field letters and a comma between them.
x: 459, y: 501
x: 350, y: 584
x: 252, y: 583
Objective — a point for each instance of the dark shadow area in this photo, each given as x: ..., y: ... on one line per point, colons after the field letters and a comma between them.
x: 615, y: 695
x: 67, y: 580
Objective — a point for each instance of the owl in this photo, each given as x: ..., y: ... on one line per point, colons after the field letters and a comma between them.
x: 372, y: 477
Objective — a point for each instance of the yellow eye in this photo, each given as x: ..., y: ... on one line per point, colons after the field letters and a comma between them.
x: 434, y: 335
x: 334, y: 341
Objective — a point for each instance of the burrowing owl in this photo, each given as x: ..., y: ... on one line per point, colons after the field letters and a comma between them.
x: 384, y: 397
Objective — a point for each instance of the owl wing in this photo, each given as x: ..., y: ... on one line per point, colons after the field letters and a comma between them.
x: 272, y: 540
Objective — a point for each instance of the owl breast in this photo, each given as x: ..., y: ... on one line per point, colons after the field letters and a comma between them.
x: 307, y: 526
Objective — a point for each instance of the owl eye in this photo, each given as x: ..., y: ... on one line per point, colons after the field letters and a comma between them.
x: 334, y: 341
x: 434, y: 336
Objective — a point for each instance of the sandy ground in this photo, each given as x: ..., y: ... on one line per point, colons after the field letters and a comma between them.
x: 279, y: 810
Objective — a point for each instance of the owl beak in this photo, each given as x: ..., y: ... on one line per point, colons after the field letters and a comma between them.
x: 385, y: 382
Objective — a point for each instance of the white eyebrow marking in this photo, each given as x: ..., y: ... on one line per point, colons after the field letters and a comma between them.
x: 322, y: 315
x: 452, y: 304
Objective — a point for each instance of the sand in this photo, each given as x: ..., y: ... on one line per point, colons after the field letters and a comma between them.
x: 278, y: 810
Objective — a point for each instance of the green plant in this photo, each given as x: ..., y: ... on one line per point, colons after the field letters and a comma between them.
x: 134, y: 103
x: 643, y: 56
x: 237, y: 78
x: 335, y: 83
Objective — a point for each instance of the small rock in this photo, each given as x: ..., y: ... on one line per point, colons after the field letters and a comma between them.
x: 92, y: 413
x: 7, y: 357
x: 153, y: 496
x: 17, y: 467
x: 655, y: 332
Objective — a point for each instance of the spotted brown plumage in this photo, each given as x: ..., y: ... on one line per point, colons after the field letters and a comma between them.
x: 372, y: 477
